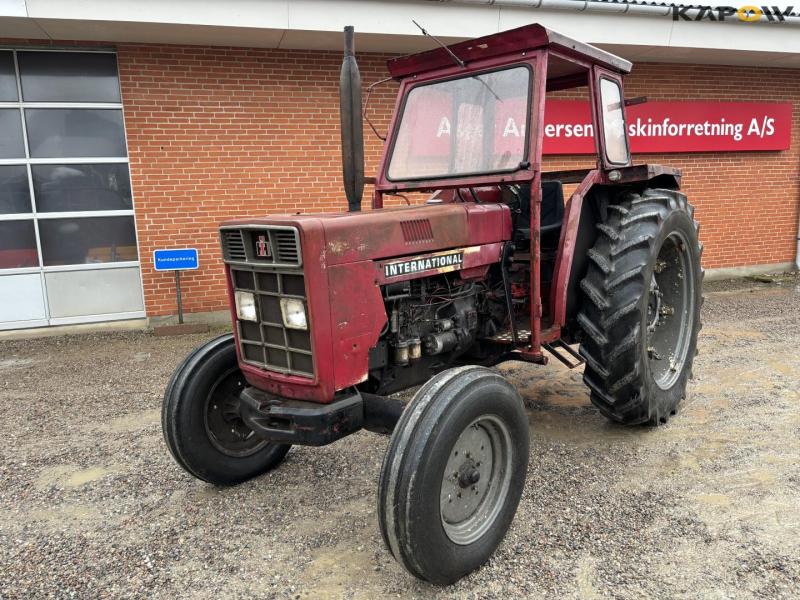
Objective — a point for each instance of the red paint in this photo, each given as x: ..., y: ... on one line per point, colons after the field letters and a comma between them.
x: 761, y: 125
x: 566, y: 249
x: 341, y: 253
x: 357, y: 318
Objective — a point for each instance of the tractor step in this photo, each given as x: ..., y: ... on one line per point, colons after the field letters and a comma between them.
x: 562, y: 351
x: 505, y: 337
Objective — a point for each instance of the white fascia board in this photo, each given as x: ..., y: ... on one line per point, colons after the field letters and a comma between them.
x: 160, y: 33
x: 21, y: 27
x: 394, y: 18
x: 13, y: 8
x: 260, y: 14
x: 386, y: 26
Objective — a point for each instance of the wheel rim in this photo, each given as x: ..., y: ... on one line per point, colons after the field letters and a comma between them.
x: 476, y: 480
x: 670, y: 311
x: 224, y: 425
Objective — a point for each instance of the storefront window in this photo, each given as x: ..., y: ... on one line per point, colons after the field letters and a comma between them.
x: 8, y: 81
x: 11, y: 144
x: 66, y: 207
x: 68, y: 77
x: 17, y: 245
x: 71, y: 188
x: 75, y: 132
x: 15, y: 194
x: 79, y: 241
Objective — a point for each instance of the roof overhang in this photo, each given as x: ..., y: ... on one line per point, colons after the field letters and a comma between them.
x: 386, y: 27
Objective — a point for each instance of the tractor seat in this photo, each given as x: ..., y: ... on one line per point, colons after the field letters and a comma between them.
x: 552, y: 212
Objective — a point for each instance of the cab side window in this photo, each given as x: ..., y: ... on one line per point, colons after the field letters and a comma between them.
x: 613, y: 123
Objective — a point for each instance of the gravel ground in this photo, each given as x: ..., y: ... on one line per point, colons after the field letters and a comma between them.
x: 92, y: 505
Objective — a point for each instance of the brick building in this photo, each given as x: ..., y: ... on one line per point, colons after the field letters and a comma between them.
x: 121, y: 134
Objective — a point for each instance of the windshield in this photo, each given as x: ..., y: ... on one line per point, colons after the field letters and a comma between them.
x: 475, y: 124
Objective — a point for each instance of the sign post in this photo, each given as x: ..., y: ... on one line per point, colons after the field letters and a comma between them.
x: 177, y: 260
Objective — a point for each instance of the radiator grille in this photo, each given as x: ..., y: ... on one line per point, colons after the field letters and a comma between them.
x: 233, y: 245
x: 286, y: 246
x: 267, y: 343
x: 267, y: 245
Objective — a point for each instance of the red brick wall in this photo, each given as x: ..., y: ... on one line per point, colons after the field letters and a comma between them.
x: 215, y: 133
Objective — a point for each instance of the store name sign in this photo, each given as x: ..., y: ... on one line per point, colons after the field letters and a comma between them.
x: 675, y: 127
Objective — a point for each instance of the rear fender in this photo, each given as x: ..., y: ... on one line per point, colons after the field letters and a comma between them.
x: 585, y: 210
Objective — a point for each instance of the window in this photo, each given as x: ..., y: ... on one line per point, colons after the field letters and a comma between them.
x: 469, y: 125
x: 11, y: 143
x: 54, y: 132
x: 616, y: 142
x: 17, y: 245
x: 66, y: 207
x: 68, y: 77
x: 78, y: 241
x: 15, y: 195
x: 73, y: 187
x: 8, y: 80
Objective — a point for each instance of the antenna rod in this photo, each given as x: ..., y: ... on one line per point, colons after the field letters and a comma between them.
x: 459, y: 62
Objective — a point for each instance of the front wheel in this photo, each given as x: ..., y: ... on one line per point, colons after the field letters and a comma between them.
x: 453, y: 474
x: 641, y: 306
x: 201, y: 423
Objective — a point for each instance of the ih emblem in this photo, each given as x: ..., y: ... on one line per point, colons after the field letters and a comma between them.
x: 262, y: 246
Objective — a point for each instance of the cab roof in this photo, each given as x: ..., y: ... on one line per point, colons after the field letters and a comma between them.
x: 521, y: 39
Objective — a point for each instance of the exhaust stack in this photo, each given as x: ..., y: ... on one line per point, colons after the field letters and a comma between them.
x: 352, y: 132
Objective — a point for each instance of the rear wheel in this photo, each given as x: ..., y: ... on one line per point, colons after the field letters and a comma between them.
x: 201, y: 423
x: 453, y: 474
x: 641, y: 307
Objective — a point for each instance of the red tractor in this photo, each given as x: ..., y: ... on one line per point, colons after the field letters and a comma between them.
x: 334, y: 313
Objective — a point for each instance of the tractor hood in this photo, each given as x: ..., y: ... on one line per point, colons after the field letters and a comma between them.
x: 393, y: 232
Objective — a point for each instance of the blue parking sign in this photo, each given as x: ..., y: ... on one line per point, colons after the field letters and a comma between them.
x: 177, y: 259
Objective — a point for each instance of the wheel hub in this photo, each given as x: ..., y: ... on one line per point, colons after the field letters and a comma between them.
x: 670, y: 311
x: 469, y: 475
x: 224, y: 425
x: 475, y: 480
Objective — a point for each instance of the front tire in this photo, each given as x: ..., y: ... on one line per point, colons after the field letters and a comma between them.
x: 453, y: 474
x: 200, y: 420
x: 641, y: 306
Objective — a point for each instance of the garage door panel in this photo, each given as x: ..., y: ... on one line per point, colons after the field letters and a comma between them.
x: 21, y: 298
x: 96, y: 292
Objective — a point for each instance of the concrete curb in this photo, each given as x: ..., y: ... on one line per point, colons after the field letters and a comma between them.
x: 741, y: 272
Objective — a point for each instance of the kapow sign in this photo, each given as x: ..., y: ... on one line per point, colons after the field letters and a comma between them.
x: 656, y: 127
x: 747, y: 13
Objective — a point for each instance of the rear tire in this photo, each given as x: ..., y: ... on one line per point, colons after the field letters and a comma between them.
x: 200, y: 421
x: 453, y: 474
x: 641, y: 306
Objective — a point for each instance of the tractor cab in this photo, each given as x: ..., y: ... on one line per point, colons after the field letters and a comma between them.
x: 469, y: 127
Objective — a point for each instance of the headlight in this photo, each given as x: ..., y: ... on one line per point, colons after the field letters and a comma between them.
x: 294, y: 313
x: 246, y: 306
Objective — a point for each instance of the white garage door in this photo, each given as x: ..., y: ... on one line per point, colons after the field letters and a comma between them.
x: 68, y: 251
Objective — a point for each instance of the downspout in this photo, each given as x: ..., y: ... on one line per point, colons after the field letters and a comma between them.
x: 617, y: 7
